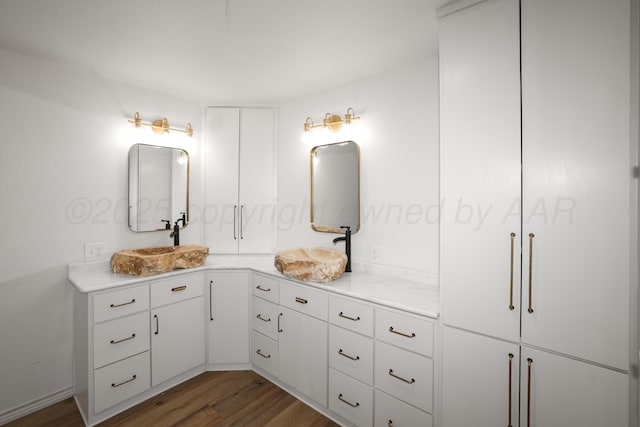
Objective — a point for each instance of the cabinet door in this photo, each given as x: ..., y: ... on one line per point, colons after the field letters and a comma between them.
x: 576, y: 179
x: 303, y: 354
x: 222, y: 136
x: 558, y: 391
x: 256, y: 195
x: 228, y: 317
x: 177, y: 339
x: 480, y: 381
x: 480, y: 168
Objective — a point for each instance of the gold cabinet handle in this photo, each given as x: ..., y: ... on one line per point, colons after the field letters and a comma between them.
x: 179, y: 288
x: 241, y: 215
x: 342, y: 353
x: 342, y: 399
x: 211, y: 300
x: 124, y: 303
x: 235, y: 214
x: 411, y: 381
x: 260, y: 288
x: 511, y: 307
x: 531, y: 236
x: 510, y: 380
x: 123, y: 340
x: 259, y: 316
x: 529, y: 363
x: 279, y: 316
x: 157, y: 325
x: 133, y: 378
x: 393, y: 331
x: 355, y: 319
x: 267, y: 356
x: 301, y: 300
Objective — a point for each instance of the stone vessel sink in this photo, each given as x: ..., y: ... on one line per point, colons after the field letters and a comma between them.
x: 156, y: 260
x: 312, y: 264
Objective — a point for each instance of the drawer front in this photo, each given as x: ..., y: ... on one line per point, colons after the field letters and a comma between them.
x: 305, y: 300
x: 120, y: 381
x: 264, y: 287
x: 351, y: 354
x: 393, y: 412
x: 120, y: 338
x: 350, y: 398
x: 351, y: 315
x: 176, y: 289
x: 264, y: 317
x: 405, y: 331
x: 264, y: 353
x: 404, y: 375
x: 111, y: 305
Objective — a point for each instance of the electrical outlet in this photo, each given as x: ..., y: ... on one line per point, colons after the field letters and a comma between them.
x: 378, y: 254
x: 94, y: 251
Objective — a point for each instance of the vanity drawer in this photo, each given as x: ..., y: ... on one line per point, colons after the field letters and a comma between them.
x: 264, y: 317
x: 110, y: 305
x: 351, y: 315
x: 305, y: 300
x: 120, y: 381
x: 264, y: 353
x: 405, y: 375
x: 350, y: 398
x: 412, y: 333
x: 176, y: 289
x: 120, y: 338
x: 264, y: 287
x: 351, y: 353
x: 393, y: 412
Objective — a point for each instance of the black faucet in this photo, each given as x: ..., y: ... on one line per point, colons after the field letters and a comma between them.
x: 176, y: 229
x: 347, y: 245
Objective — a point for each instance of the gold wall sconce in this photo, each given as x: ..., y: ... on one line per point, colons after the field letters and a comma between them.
x: 160, y: 126
x: 332, y: 122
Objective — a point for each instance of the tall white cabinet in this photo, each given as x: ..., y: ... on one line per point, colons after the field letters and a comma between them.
x: 535, y: 224
x: 239, y: 183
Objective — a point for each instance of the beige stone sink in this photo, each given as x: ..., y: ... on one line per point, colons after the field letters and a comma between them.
x: 312, y: 264
x: 156, y: 260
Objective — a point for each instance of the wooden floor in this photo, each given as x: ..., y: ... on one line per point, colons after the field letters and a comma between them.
x: 230, y: 398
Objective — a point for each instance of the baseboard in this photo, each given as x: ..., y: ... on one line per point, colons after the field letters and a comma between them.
x: 35, y: 405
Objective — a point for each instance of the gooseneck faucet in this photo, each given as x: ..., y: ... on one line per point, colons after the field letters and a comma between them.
x: 347, y: 245
x: 176, y: 229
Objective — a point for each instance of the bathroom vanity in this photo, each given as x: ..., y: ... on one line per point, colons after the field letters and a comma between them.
x: 360, y: 349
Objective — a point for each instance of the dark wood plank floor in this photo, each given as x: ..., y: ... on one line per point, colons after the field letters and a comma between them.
x: 230, y: 398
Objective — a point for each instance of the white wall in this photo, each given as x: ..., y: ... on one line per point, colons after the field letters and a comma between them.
x: 63, y: 183
x: 398, y: 138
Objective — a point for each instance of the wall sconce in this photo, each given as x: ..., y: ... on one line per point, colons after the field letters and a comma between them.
x: 331, y: 122
x: 160, y: 126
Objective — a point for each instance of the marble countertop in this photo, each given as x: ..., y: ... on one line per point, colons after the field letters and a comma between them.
x: 391, y: 290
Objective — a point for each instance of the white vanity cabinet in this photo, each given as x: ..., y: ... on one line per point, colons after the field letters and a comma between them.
x: 239, y: 182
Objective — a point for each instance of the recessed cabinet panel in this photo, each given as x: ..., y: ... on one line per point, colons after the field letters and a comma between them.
x: 350, y: 398
x: 264, y: 317
x: 405, y: 331
x: 120, y: 338
x: 113, y: 304
x: 351, y: 315
x: 390, y: 411
x: 305, y: 300
x: 176, y: 289
x: 120, y: 381
x: 351, y: 353
x: 264, y: 353
x: 264, y: 287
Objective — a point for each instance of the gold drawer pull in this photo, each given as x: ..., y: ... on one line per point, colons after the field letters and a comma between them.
x: 124, y: 303
x: 511, y: 307
x: 355, y: 319
x: 260, y: 354
x: 393, y: 331
x: 301, y: 300
x: 124, y: 339
x: 411, y: 381
x: 260, y: 288
x: 259, y: 316
x: 353, y: 405
x: 179, y: 288
x: 341, y: 353
x: 114, y: 385
x: 531, y: 236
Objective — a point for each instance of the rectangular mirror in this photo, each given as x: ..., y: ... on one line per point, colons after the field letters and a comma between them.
x: 335, y: 187
x: 158, y: 186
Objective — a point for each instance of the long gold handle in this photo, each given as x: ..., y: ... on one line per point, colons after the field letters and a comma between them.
x: 123, y: 340
x: 124, y: 303
x: 259, y: 316
x: 114, y: 385
x: 241, y: 218
x: 393, y: 331
x: 529, y: 362
x: 531, y: 236
x: 179, y: 288
x: 211, y: 300
x: 279, y: 316
x: 411, y: 381
x: 263, y: 355
x: 510, y: 380
x: 235, y: 214
x: 353, y: 405
x: 157, y: 325
x: 511, y: 307
x: 301, y: 300
x: 342, y: 353
x: 260, y: 288
x: 355, y: 319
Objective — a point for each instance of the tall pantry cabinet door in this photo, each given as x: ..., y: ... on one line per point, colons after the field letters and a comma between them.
x: 480, y: 380
x: 480, y: 168
x: 222, y: 133
x: 576, y: 177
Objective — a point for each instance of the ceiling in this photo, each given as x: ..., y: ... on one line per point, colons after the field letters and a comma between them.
x: 225, y: 51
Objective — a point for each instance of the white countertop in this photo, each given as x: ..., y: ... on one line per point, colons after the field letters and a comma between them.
x: 396, y: 292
